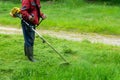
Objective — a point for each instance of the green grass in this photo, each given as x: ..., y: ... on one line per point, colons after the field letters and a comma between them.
x: 90, y: 18
x: 88, y: 61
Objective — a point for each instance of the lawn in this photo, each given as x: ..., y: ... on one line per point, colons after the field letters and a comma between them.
x: 86, y: 18
x: 88, y: 61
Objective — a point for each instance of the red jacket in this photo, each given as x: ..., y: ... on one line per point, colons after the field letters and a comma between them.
x: 29, y: 8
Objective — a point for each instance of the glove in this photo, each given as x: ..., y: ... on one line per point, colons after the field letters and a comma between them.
x: 15, y: 11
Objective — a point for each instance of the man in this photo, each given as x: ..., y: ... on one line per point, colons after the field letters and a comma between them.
x: 31, y: 13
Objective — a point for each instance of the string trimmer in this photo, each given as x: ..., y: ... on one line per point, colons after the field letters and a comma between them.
x: 15, y: 12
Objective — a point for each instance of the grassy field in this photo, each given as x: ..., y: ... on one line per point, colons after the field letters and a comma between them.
x: 88, y: 61
x: 90, y: 18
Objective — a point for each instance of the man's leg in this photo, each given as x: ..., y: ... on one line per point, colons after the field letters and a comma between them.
x: 29, y: 36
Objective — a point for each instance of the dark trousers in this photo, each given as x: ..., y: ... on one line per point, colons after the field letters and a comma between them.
x: 29, y: 37
x: 29, y: 34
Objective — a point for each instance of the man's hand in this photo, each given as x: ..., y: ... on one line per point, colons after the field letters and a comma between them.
x: 31, y: 18
x: 43, y: 17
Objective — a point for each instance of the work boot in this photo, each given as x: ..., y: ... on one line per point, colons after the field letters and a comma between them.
x: 25, y: 50
x: 29, y: 51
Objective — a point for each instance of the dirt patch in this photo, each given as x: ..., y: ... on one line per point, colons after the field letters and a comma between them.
x: 94, y: 38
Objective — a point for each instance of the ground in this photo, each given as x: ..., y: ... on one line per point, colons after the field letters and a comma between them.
x: 106, y: 39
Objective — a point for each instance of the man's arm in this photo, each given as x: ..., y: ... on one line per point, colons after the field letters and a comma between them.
x: 25, y: 8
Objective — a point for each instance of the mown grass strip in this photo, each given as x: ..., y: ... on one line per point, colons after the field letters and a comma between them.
x: 88, y: 61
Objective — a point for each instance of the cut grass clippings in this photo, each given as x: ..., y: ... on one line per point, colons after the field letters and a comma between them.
x: 88, y: 61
